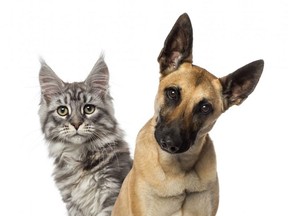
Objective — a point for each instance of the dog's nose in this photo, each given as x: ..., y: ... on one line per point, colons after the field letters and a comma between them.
x: 168, y: 145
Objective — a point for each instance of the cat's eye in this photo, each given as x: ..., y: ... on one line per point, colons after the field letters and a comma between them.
x: 89, y: 109
x: 62, y: 111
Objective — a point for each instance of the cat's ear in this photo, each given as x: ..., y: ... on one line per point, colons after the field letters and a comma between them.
x: 98, y: 79
x: 50, y: 83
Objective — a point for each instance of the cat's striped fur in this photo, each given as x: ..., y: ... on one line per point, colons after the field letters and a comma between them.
x: 91, y: 157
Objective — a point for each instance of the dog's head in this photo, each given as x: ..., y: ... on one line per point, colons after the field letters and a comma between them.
x: 189, y: 98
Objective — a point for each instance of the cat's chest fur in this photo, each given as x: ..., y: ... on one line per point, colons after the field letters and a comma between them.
x: 84, y: 188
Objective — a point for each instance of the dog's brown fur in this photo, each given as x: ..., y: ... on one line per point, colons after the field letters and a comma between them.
x: 174, y: 170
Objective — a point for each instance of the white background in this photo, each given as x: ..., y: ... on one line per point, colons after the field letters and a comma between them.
x: 70, y: 35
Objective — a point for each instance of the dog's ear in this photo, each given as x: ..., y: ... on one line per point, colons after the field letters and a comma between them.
x: 177, y: 46
x: 238, y: 85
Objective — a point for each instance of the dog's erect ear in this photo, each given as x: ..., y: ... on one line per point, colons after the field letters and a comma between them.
x: 238, y: 85
x: 177, y: 46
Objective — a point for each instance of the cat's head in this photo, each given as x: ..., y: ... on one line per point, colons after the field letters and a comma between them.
x: 76, y: 113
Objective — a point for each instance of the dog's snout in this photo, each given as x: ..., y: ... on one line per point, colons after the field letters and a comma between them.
x: 172, y: 137
x: 165, y: 142
x: 168, y: 145
x: 173, y: 149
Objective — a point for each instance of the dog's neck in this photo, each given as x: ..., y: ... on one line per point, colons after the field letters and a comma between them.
x: 186, y: 161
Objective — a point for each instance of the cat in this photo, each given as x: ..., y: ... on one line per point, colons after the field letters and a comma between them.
x: 90, y: 155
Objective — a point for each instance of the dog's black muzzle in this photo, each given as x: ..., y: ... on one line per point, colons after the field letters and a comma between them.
x: 173, y: 138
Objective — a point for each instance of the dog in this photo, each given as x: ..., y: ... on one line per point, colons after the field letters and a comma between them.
x: 174, y: 170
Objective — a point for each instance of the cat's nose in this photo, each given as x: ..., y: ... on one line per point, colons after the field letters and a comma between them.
x: 77, y: 124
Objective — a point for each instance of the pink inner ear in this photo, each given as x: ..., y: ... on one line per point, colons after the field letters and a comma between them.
x: 240, y: 91
x: 172, y: 62
x: 175, y: 58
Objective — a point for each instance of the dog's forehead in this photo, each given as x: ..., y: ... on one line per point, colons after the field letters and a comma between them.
x: 191, y: 77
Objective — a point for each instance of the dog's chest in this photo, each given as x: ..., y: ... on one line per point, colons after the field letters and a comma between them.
x: 166, y: 206
x: 187, y: 204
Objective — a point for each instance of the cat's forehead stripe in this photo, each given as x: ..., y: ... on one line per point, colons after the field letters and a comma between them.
x: 73, y: 94
x: 84, y: 98
x: 76, y: 94
x: 66, y: 99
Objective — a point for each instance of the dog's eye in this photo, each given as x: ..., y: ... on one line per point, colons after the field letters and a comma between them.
x: 206, y: 108
x: 172, y: 93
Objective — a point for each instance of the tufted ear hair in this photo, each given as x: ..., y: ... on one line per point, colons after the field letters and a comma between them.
x: 238, y: 85
x: 98, y: 79
x: 50, y: 83
x: 177, y: 46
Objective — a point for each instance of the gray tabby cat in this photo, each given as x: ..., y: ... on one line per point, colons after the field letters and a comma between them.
x: 91, y: 157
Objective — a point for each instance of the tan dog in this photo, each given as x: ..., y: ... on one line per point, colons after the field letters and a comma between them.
x: 174, y: 170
